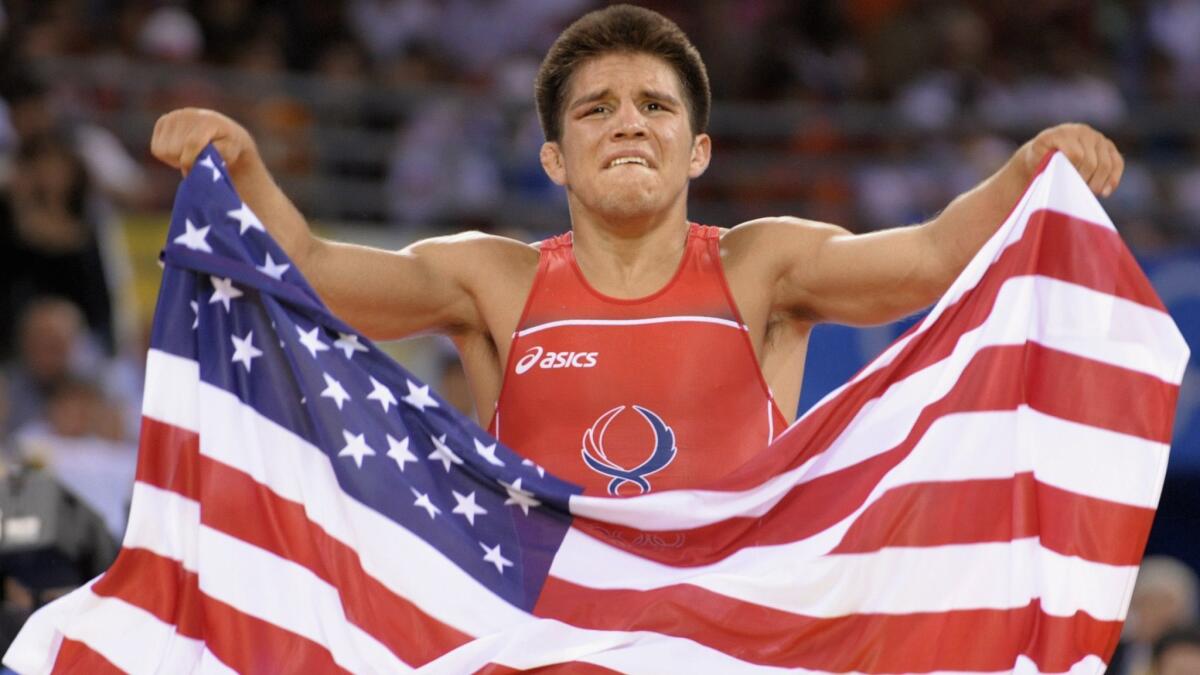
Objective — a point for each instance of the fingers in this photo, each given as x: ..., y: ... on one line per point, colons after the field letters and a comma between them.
x: 181, y: 135
x: 1094, y: 156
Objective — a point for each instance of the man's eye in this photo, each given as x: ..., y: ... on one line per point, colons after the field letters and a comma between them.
x: 597, y: 109
x: 655, y: 106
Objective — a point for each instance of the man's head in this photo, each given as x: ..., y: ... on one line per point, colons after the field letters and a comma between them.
x: 613, y: 30
x: 623, y: 99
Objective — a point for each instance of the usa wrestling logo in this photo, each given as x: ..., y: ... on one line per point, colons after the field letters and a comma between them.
x: 596, y: 459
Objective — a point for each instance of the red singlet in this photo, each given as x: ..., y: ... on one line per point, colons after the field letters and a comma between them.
x: 630, y: 396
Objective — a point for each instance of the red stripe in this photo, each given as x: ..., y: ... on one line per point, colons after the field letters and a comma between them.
x: 991, y: 381
x: 568, y: 668
x: 1049, y: 247
x: 935, y: 514
x: 159, y: 585
x: 982, y: 639
x: 282, y: 527
x: 77, y: 657
x: 162, y: 587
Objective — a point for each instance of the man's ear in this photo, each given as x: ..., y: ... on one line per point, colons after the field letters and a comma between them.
x: 552, y: 162
x: 701, y: 154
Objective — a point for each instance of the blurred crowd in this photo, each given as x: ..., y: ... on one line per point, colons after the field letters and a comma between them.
x: 416, y: 116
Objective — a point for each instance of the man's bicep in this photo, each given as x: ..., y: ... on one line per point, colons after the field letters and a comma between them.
x: 392, y: 294
x: 858, y: 279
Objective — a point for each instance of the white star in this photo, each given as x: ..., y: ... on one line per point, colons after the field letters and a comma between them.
x: 335, y: 391
x: 423, y: 502
x: 208, y: 163
x: 398, y: 450
x: 443, y: 453
x: 311, y: 341
x: 271, y: 269
x: 356, y: 447
x: 418, y: 397
x: 223, y: 292
x: 244, y: 350
x: 493, y: 556
x: 193, y: 238
x: 467, y: 506
x: 519, y: 496
x: 382, y: 394
x: 195, y: 308
x: 246, y: 219
x: 540, y: 470
x: 488, y: 452
x: 349, y: 344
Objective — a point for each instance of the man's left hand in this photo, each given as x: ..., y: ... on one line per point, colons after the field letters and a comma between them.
x: 1094, y: 156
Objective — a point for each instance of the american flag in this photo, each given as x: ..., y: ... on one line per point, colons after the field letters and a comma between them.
x: 977, y: 499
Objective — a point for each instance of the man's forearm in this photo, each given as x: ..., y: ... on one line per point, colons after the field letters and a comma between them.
x: 277, y: 213
x: 962, y: 228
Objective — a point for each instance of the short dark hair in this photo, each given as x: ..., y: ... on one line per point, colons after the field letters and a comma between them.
x: 620, y: 28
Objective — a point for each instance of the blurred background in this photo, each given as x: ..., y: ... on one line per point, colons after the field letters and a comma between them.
x: 391, y: 120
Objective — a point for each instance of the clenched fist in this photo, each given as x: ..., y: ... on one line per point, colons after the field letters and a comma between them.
x: 1093, y: 155
x: 180, y: 135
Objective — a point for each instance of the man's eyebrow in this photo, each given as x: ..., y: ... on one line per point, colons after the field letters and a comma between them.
x: 593, y: 96
x: 660, y: 96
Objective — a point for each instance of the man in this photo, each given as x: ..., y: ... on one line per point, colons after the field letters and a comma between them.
x: 671, y: 352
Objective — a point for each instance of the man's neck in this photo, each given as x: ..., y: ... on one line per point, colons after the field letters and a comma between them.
x: 632, y: 257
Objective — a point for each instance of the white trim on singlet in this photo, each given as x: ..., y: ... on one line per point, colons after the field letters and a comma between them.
x: 629, y: 322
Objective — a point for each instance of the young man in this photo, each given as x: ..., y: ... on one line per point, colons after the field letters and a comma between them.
x: 667, y: 352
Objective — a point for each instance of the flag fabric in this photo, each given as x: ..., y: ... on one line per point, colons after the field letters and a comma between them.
x: 977, y: 499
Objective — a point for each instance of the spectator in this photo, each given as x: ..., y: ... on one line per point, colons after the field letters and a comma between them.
x: 53, y: 347
x: 79, y: 442
x: 1178, y: 652
x: 49, y: 237
x: 1164, y: 599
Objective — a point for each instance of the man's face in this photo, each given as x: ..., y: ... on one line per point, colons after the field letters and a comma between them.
x: 627, y: 148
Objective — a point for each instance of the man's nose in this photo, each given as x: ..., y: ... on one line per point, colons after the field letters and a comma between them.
x: 629, y: 123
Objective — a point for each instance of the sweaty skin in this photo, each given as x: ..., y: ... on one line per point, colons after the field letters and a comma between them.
x: 625, y: 158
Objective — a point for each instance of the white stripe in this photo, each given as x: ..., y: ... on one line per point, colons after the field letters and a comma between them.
x: 260, y: 584
x: 629, y: 322
x: 290, y: 596
x: 995, y: 575
x: 1059, y: 188
x: 165, y: 523
x: 543, y: 642
x: 1002, y: 443
x: 884, y: 422
x: 1088, y: 665
x: 295, y: 470
x: 770, y: 419
x: 106, y: 625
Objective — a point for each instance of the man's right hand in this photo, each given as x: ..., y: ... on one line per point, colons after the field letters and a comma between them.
x: 180, y: 135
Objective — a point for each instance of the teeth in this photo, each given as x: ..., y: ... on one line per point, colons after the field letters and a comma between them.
x: 628, y: 160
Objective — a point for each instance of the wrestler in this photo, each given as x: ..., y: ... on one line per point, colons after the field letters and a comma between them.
x: 638, y: 351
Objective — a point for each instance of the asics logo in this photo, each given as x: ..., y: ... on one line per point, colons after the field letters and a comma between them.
x: 537, y: 356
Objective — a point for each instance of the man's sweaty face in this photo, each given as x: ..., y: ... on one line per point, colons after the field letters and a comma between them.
x: 627, y: 148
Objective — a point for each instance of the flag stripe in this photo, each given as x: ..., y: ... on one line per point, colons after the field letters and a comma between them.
x: 915, y: 577
x: 935, y: 514
x: 899, y: 643
x: 869, y: 420
x: 77, y: 657
x: 173, y: 382
x: 285, y: 530
x: 982, y: 408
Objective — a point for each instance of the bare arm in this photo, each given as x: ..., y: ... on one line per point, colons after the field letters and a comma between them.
x: 824, y: 273
x: 384, y: 294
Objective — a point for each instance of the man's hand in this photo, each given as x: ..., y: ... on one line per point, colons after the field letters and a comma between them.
x: 180, y: 135
x: 1094, y: 156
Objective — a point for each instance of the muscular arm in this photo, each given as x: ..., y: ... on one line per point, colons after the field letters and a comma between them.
x: 384, y: 294
x: 824, y: 273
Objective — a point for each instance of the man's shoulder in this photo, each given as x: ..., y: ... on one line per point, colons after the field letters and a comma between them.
x: 773, y: 234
